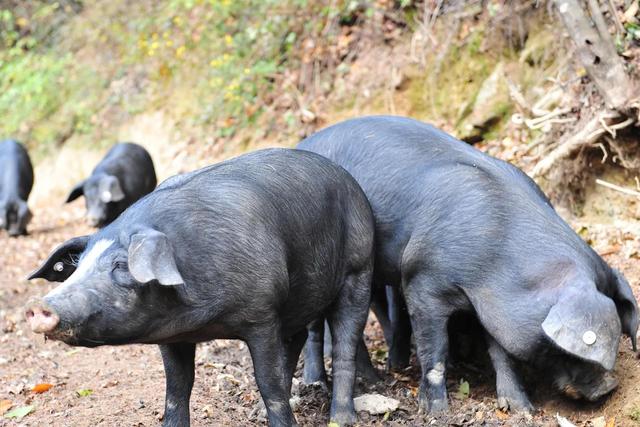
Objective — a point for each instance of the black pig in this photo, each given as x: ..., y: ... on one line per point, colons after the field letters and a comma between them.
x: 458, y: 230
x: 123, y: 176
x: 16, y: 182
x: 253, y: 248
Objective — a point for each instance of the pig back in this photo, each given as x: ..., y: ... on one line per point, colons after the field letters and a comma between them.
x: 271, y: 216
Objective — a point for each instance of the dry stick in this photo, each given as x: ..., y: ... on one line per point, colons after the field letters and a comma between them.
x: 597, y: 54
x: 616, y: 18
x: 598, y: 19
x: 624, y: 190
x: 587, y: 135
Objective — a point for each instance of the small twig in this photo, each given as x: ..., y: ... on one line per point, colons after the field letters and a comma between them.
x: 615, y: 187
x: 604, y: 152
x: 612, y: 132
x: 616, y: 18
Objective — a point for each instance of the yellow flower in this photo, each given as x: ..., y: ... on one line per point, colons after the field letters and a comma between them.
x: 154, y: 36
x: 169, y: 43
x: 247, y: 71
x: 180, y: 51
x: 228, y: 40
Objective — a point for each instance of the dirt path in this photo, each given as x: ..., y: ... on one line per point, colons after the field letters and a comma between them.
x: 127, y: 383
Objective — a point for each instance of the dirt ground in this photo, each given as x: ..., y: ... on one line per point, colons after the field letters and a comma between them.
x: 127, y: 383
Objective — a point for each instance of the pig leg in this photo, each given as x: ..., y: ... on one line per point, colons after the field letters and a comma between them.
x: 380, y: 308
x: 400, y: 344
x: 347, y: 320
x: 429, y: 316
x: 269, y: 355
x: 511, y: 393
x: 364, y: 367
x: 294, y: 347
x: 314, y: 354
x: 178, y: 362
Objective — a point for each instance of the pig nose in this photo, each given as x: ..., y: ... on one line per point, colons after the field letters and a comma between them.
x: 41, y: 318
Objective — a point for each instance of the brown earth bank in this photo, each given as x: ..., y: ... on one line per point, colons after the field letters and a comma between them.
x: 127, y: 383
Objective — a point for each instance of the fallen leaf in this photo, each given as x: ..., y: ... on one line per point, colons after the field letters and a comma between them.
x: 20, y: 413
x: 5, y: 405
x: 502, y: 415
x: 611, y: 422
x: 84, y: 392
x: 463, y: 389
x: 41, y: 388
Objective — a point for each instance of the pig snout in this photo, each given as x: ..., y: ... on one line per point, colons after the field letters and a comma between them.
x: 41, y: 318
x: 591, y: 388
x: 604, y: 387
x: 94, y: 221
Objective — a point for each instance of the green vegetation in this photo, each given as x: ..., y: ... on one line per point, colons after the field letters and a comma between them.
x: 77, y: 69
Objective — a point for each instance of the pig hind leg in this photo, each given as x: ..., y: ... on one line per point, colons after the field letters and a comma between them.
x: 511, y: 393
x: 430, y: 313
x: 269, y: 355
x: 178, y: 362
x: 314, y: 354
x: 347, y: 319
x: 400, y: 343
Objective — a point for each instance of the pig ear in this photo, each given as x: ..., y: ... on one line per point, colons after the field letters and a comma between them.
x: 110, y: 189
x: 627, y: 307
x: 76, y: 192
x: 585, y: 323
x: 151, y: 258
x: 62, y: 262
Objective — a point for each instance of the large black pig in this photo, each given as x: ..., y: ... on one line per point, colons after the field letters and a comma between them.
x: 253, y: 248
x: 458, y: 230
x: 123, y: 176
x: 16, y: 182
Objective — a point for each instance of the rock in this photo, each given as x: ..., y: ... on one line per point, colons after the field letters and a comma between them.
x: 489, y: 107
x: 563, y: 422
x: 599, y: 422
x: 375, y: 404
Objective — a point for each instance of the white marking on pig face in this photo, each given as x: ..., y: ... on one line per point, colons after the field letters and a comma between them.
x: 86, y: 266
x: 106, y: 196
x: 436, y: 375
x: 589, y: 338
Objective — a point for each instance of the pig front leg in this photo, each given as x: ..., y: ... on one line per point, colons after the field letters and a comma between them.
x: 269, y: 355
x: 314, y: 354
x: 511, y: 393
x: 293, y: 348
x: 430, y: 313
x: 179, y: 360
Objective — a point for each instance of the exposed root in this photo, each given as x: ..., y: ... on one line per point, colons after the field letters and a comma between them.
x: 618, y: 188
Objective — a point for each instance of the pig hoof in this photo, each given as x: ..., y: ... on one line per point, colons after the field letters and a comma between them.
x: 344, y: 418
x: 439, y: 405
x: 513, y: 404
x: 434, y: 406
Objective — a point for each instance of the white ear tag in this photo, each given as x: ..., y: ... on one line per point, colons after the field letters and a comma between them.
x: 106, y: 196
x: 58, y: 266
x: 589, y: 338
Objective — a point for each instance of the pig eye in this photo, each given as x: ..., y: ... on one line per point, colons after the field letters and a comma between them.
x: 120, y: 274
